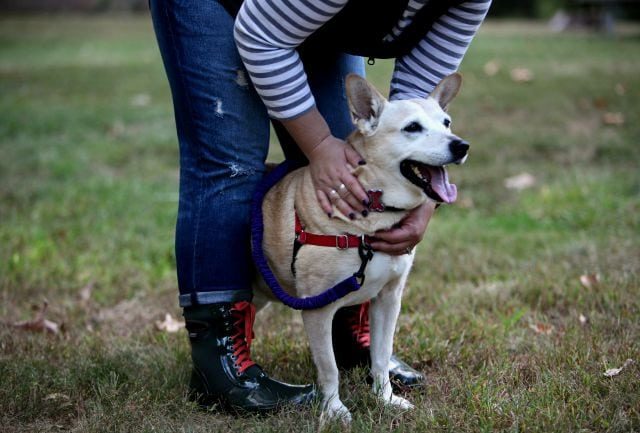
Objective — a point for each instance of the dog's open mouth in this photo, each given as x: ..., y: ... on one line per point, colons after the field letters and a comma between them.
x: 433, y: 180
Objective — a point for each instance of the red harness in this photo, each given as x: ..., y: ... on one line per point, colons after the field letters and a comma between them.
x: 341, y: 242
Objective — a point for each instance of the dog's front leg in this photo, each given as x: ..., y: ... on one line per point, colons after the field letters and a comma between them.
x: 317, y: 323
x: 383, y: 313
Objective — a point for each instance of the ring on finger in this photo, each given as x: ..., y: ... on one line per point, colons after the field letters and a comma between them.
x: 342, y: 188
x: 333, y: 195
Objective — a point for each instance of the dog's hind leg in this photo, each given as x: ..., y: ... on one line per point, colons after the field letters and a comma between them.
x: 260, y: 300
x: 383, y: 314
x: 317, y: 323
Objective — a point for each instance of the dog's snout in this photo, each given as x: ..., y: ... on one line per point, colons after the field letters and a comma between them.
x: 458, y: 148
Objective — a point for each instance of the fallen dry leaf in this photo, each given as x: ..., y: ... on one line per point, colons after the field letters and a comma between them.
x: 601, y: 103
x: 520, y: 181
x: 613, y: 119
x: 169, y: 324
x: 85, y: 293
x: 589, y: 281
x: 491, y: 68
x: 521, y: 75
x: 583, y: 319
x: 616, y: 371
x: 39, y: 323
x: 57, y: 396
x: 542, y: 328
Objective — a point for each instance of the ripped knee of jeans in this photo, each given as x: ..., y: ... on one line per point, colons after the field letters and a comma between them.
x: 240, y: 170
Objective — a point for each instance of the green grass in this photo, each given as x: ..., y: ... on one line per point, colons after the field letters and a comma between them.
x: 88, y: 195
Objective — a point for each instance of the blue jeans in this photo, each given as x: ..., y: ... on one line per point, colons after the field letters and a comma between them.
x: 223, y: 133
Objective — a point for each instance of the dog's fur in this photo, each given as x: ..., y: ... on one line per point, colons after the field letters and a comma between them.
x: 382, y: 140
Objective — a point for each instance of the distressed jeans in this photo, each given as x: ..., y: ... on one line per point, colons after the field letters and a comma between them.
x: 223, y: 134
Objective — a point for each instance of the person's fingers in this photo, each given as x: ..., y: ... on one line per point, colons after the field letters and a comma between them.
x: 353, y: 185
x: 353, y: 157
x: 333, y: 196
x: 411, y: 228
x: 355, y: 204
x: 346, y: 209
x: 347, y: 196
x: 397, y: 249
x: 324, y: 202
x: 402, y: 234
x: 331, y: 165
x: 342, y: 190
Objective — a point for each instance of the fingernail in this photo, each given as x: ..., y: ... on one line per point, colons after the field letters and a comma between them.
x: 362, y: 162
x: 352, y: 216
x: 366, y: 202
x: 329, y: 214
x: 365, y: 213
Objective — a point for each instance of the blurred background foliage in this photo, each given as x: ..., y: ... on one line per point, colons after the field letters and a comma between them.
x: 623, y: 9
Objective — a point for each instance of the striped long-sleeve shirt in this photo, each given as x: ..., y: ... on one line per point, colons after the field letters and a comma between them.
x: 267, y: 33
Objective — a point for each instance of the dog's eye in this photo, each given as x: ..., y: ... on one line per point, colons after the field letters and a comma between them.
x: 413, y: 127
x: 447, y: 122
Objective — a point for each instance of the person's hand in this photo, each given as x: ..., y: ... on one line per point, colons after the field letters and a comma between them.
x: 401, y: 239
x: 330, y: 164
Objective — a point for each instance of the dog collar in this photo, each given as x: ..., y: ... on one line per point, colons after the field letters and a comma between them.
x: 341, y: 242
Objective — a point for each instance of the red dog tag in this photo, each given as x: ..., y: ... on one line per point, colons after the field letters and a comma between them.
x: 375, y: 200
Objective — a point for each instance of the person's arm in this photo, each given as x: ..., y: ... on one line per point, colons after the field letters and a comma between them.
x: 267, y: 33
x: 440, y: 51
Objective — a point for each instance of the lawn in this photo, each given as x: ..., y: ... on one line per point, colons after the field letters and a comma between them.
x: 520, y: 299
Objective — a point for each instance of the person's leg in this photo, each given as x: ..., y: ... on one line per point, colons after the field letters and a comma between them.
x: 223, y: 132
x: 224, y: 136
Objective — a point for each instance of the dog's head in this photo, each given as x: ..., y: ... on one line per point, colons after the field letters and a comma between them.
x: 409, y: 140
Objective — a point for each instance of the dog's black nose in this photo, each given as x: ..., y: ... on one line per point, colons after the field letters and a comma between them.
x: 458, y: 148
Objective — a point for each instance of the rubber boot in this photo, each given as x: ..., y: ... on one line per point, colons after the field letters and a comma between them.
x: 351, y: 343
x: 223, y: 372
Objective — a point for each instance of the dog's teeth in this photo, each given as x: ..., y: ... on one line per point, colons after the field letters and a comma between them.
x: 418, y: 173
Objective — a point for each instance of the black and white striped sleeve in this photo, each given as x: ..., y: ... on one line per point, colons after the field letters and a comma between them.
x: 267, y: 33
x: 440, y: 52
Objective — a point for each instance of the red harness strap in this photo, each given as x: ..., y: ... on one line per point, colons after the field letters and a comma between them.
x: 341, y: 242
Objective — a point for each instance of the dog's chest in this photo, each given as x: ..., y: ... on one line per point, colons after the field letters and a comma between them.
x: 384, y: 269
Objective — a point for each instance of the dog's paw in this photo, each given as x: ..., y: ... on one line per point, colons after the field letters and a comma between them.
x: 399, y: 402
x: 335, y: 411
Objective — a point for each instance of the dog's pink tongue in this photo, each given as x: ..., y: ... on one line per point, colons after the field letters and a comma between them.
x: 441, y: 186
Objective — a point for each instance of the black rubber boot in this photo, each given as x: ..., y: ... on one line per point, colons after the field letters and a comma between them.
x: 223, y: 372
x: 351, y: 343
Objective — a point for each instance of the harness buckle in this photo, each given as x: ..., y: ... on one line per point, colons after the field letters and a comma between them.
x: 342, y: 242
x: 302, y: 237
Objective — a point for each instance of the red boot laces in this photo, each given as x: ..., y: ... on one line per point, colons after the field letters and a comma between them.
x: 359, y: 325
x: 244, y: 314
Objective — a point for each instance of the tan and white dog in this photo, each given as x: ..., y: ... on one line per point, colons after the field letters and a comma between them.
x: 405, y: 143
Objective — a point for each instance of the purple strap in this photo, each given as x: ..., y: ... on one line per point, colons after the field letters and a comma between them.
x: 346, y: 286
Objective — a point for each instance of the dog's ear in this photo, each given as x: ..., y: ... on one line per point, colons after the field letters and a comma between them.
x: 365, y: 103
x: 447, y: 89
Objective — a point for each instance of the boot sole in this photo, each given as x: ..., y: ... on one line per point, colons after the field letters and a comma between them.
x: 210, y: 403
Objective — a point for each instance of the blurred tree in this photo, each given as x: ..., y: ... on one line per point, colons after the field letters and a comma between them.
x: 629, y: 9
x: 72, y: 5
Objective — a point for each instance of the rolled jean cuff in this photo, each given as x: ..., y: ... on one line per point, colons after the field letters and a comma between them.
x: 220, y: 296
